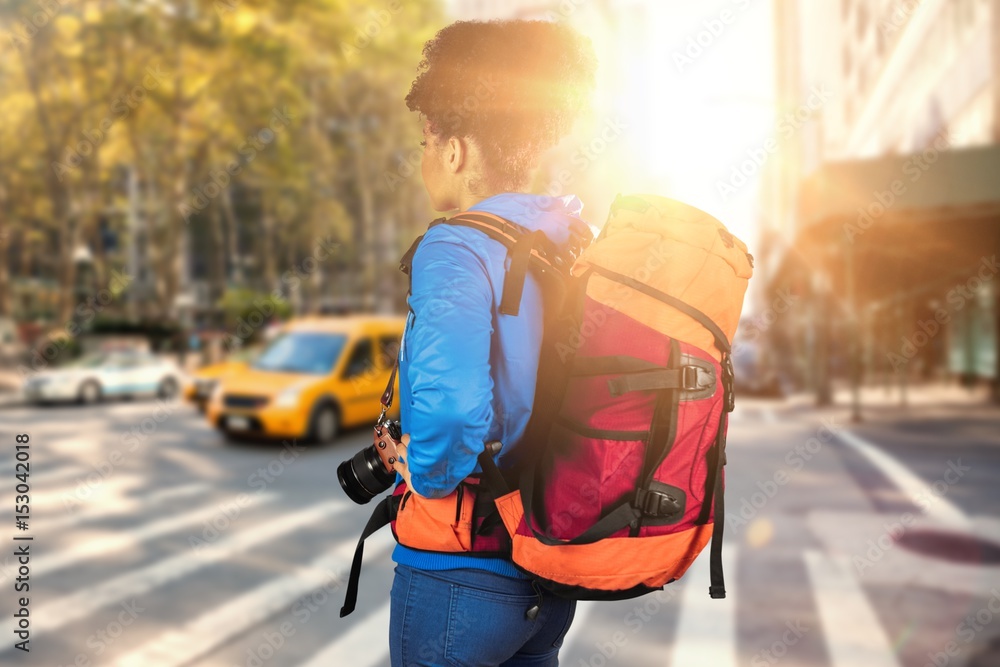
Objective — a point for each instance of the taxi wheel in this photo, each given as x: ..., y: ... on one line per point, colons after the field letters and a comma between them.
x: 325, y: 424
x: 167, y: 389
x: 90, y: 392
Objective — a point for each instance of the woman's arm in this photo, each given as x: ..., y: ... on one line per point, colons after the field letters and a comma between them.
x: 448, y: 355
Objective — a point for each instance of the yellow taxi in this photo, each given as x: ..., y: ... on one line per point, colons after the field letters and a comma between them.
x: 317, y: 376
x: 203, y: 381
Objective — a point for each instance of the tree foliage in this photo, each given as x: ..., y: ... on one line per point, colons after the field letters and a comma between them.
x: 217, y: 142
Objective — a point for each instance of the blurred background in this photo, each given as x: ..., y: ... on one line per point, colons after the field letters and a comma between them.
x: 202, y: 209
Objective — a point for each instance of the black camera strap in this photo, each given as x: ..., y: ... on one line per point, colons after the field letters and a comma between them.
x: 381, y: 517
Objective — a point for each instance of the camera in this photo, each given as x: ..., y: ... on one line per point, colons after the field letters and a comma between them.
x: 369, y: 472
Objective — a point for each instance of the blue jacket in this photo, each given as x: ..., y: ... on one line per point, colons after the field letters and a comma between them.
x: 467, y: 373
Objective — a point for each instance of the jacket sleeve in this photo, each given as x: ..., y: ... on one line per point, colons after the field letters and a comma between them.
x: 448, y: 352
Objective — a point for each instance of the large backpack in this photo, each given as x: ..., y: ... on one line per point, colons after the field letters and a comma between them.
x: 629, y: 427
x: 619, y: 484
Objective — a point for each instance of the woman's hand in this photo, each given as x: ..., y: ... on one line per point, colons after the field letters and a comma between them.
x: 400, y: 464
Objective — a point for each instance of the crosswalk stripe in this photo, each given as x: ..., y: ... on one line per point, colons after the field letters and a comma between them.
x: 852, y: 631
x: 126, y: 539
x: 917, y: 490
x: 130, y: 506
x: 86, y: 601
x: 201, y: 635
x: 361, y: 640
x: 706, y: 629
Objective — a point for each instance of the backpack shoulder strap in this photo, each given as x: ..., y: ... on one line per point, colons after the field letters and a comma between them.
x: 524, y: 248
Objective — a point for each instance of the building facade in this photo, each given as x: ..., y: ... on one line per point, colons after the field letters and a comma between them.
x: 883, y: 210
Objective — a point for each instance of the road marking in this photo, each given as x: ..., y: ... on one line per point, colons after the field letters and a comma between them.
x: 361, y: 640
x: 706, y: 629
x: 121, y: 506
x: 917, y: 490
x: 87, y: 601
x: 201, y: 635
x: 851, y: 629
x: 129, y: 538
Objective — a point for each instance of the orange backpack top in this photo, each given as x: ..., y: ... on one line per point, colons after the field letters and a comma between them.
x: 627, y: 486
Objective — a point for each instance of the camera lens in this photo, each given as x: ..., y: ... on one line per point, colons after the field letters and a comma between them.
x: 363, y: 476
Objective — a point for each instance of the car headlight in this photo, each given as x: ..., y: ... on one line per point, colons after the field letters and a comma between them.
x: 289, y: 398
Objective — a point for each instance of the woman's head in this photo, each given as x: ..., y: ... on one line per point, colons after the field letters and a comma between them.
x: 494, y: 97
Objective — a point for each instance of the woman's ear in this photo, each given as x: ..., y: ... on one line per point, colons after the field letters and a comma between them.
x: 456, y: 155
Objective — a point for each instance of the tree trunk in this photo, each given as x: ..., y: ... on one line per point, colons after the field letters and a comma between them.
x: 5, y: 235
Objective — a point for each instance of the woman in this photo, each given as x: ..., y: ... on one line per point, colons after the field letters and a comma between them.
x: 493, y: 98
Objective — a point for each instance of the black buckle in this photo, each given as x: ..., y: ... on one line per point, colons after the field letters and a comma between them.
x: 689, y: 378
x: 728, y: 382
x: 656, y: 503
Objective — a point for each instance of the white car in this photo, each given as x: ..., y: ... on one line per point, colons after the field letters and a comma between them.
x: 106, y: 375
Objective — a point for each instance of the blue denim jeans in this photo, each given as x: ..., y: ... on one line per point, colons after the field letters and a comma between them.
x: 473, y: 618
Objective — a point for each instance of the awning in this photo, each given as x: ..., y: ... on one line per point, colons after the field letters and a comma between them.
x: 902, y: 222
x: 934, y: 186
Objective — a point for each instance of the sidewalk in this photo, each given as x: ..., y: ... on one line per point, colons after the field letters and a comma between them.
x: 881, y: 401
x: 932, y: 412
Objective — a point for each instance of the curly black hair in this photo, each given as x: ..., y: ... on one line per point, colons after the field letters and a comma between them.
x: 513, y: 87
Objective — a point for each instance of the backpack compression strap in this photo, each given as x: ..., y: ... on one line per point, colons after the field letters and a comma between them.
x: 673, y: 380
x: 717, y: 455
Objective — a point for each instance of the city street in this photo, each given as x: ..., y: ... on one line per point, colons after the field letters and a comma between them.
x: 157, y: 543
